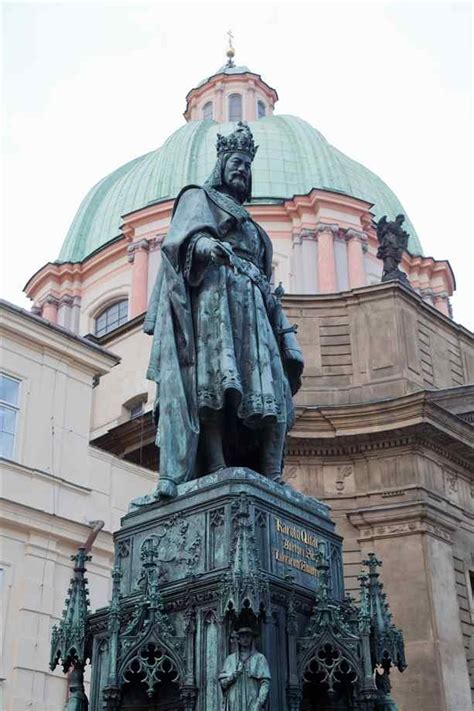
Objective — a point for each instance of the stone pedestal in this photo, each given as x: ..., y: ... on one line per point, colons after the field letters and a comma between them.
x: 229, y: 542
x: 232, y: 552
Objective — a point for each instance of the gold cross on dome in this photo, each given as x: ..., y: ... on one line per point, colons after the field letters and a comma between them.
x: 230, y: 50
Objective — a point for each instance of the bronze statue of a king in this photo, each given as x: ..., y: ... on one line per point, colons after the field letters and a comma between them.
x: 224, y: 357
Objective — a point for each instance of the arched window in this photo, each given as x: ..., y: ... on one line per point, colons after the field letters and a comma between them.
x: 111, y: 317
x: 207, y: 111
x: 235, y: 107
x: 261, y: 109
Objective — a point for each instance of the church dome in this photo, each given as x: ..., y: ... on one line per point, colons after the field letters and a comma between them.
x: 292, y: 159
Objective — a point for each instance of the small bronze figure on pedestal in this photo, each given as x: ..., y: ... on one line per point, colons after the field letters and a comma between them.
x: 245, y: 677
x: 77, y: 700
x: 393, y: 241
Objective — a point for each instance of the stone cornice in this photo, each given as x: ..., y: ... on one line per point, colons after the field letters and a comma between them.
x: 414, y: 419
x: 20, y: 324
x: 309, y: 202
x: 404, y: 519
x: 391, y: 415
x: 57, y: 273
x: 47, y: 476
x: 376, y: 292
x: 352, y: 447
x: 19, y: 517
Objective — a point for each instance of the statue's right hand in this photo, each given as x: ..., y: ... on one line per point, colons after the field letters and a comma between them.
x: 239, y: 670
x: 210, y: 249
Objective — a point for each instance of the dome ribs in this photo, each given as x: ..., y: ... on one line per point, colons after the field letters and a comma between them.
x: 293, y: 159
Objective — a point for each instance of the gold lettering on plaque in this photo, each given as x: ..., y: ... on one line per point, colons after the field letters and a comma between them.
x: 298, y: 548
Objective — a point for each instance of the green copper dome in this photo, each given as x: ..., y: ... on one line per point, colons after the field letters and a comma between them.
x: 292, y: 159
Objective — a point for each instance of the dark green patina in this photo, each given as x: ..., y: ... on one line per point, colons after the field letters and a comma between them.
x: 228, y: 587
x: 231, y: 551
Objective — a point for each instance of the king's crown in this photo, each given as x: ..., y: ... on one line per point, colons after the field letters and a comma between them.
x: 240, y: 140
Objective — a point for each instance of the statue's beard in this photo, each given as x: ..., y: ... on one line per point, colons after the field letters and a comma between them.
x: 238, y: 188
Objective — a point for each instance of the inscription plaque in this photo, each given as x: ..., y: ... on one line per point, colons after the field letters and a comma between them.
x: 295, y: 547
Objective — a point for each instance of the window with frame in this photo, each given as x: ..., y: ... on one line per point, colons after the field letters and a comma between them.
x: 135, y: 407
x: 137, y: 410
x: 207, y: 112
x: 235, y: 107
x: 9, y: 408
x: 111, y: 317
x: 261, y: 109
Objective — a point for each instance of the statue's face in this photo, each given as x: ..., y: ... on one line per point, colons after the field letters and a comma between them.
x: 245, y: 640
x: 237, y: 174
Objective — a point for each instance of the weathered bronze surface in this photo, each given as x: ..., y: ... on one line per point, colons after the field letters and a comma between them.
x: 224, y: 357
x: 195, y: 573
x: 228, y: 589
x: 393, y: 240
x: 245, y: 677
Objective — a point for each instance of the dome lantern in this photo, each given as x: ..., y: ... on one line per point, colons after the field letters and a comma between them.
x: 233, y: 93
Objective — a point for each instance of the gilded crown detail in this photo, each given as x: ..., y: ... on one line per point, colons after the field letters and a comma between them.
x: 240, y: 140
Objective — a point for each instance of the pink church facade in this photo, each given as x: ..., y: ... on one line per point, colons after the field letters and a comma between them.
x: 324, y: 241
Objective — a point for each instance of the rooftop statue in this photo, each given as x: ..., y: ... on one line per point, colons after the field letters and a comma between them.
x: 224, y: 357
x: 393, y: 241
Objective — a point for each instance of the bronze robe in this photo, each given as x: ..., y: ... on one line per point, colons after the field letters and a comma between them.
x: 214, y: 340
x: 250, y: 687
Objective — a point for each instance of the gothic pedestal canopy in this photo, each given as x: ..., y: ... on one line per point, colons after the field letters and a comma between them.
x: 234, y: 552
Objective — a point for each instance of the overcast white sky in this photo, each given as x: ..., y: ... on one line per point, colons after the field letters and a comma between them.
x: 88, y: 86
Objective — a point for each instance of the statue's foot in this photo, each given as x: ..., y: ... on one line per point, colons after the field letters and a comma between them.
x: 217, y: 469
x: 166, y: 489
x: 276, y: 477
x: 141, y: 501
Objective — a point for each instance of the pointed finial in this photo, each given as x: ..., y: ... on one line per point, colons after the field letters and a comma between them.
x: 230, y: 50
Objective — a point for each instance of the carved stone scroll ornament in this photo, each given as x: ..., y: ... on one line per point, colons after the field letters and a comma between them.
x: 170, y: 545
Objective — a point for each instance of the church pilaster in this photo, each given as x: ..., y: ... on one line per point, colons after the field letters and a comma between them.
x: 138, y: 256
x: 327, y: 274
x: 355, y: 258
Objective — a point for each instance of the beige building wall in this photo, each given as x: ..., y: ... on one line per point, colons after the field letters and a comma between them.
x: 53, y: 486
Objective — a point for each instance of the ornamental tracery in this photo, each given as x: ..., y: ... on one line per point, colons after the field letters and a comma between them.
x: 151, y: 663
x: 330, y: 667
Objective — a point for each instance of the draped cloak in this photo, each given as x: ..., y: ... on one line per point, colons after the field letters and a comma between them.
x: 171, y: 319
x: 250, y: 687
